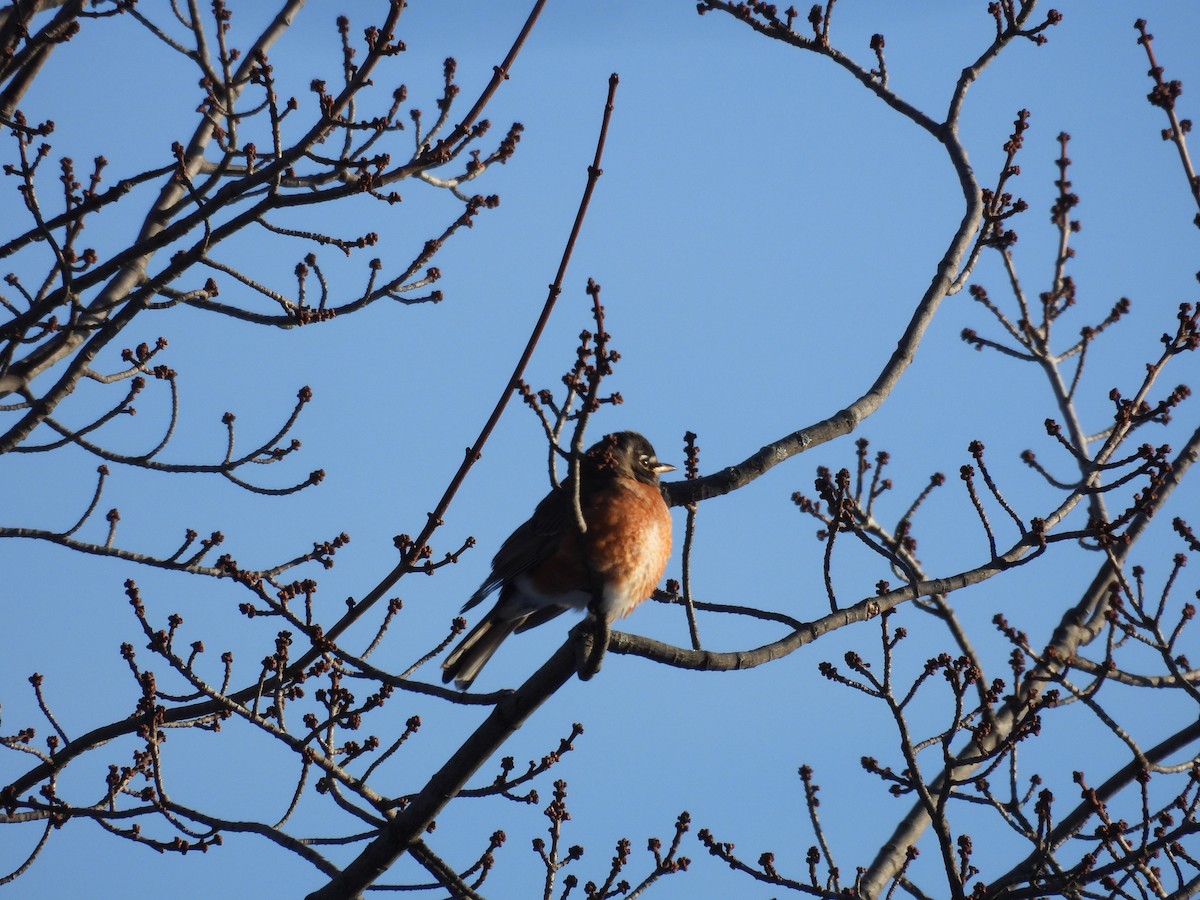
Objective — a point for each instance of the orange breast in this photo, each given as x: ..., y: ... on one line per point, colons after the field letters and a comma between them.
x: 628, y: 543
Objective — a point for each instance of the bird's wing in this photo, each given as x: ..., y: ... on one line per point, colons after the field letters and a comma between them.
x: 533, y: 541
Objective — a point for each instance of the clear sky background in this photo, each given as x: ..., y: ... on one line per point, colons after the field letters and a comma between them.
x: 762, y: 232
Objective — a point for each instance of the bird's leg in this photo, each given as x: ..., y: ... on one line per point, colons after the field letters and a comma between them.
x: 590, y: 656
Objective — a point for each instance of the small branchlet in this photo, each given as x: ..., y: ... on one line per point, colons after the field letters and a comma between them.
x: 594, y: 361
x: 691, y: 468
x: 999, y: 205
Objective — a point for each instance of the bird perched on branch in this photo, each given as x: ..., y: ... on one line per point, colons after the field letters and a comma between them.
x: 547, y: 566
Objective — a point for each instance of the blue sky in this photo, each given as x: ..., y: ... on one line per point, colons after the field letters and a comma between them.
x: 762, y: 232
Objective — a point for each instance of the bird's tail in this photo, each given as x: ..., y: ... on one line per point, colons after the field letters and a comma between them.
x: 473, y: 652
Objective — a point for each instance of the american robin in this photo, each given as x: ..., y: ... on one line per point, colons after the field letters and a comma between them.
x: 546, y: 566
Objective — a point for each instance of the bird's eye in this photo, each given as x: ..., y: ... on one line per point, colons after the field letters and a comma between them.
x: 646, y: 462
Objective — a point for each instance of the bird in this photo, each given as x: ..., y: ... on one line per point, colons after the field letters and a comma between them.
x: 546, y: 567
